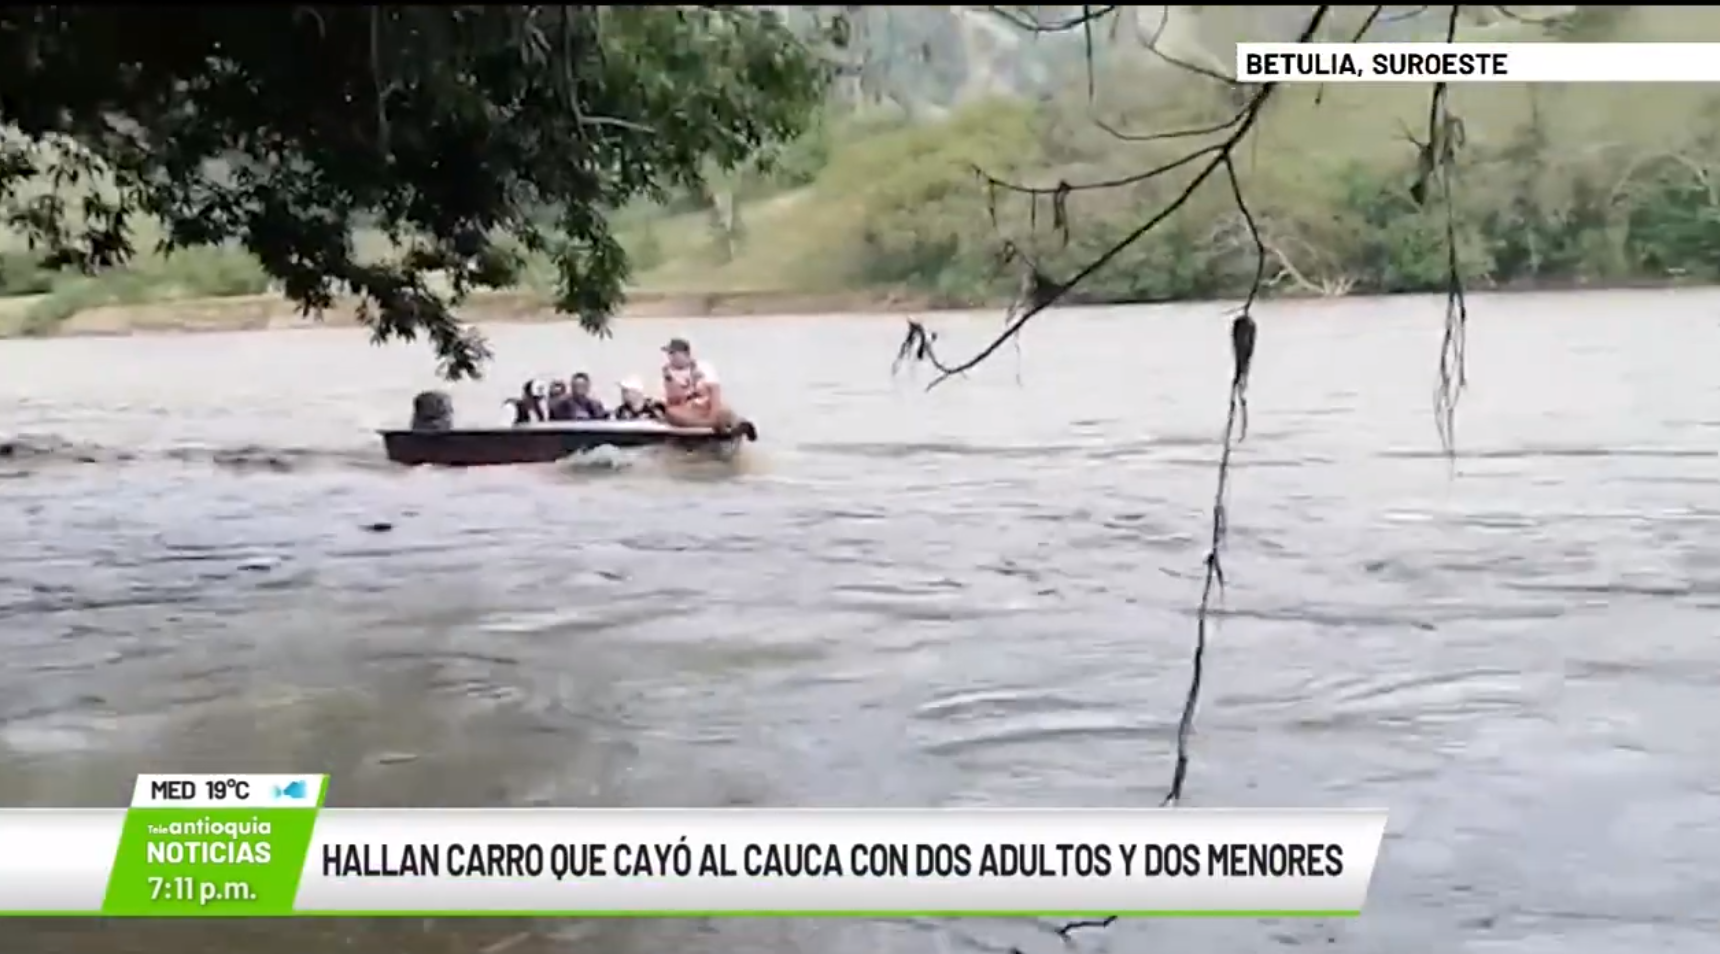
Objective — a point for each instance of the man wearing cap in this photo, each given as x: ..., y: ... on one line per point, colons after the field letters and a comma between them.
x: 691, y: 395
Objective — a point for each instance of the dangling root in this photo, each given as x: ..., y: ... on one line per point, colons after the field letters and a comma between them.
x: 1040, y: 292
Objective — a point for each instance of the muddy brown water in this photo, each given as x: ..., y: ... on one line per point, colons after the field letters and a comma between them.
x: 977, y: 596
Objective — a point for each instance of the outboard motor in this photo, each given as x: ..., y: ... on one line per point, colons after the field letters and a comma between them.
x: 432, y: 411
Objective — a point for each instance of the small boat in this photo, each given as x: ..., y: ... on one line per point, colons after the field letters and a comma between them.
x: 543, y: 443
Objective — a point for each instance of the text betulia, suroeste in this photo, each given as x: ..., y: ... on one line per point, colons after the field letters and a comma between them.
x: 1314, y: 63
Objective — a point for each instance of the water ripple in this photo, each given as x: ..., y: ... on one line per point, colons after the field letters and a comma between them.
x: 978, y: 596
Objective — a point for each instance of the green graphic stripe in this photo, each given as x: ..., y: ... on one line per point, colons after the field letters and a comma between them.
x: 209, y: 862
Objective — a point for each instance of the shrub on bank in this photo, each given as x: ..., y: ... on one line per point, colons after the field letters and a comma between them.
x: 1543, y: 200
x: 188, y: 274
x: 871, y: 202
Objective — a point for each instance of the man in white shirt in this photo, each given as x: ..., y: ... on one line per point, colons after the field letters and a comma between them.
x: 692, y: 396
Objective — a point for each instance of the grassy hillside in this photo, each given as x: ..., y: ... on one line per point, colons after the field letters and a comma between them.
x: 1561, y: 184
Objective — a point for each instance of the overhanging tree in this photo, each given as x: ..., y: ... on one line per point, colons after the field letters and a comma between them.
x: 470, y: 135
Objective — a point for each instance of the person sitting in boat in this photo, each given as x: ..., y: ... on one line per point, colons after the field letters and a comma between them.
x: 528, y: 407
x: 692, y: 396
x: 585, y: 406
x: 636, y: 405
x: 560, y: 407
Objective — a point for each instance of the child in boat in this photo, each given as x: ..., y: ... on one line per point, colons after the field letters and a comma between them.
x: 528, y: 407
x: 636, y: 405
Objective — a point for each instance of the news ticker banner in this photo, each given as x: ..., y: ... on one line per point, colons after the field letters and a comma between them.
x: 263, y: 846
x: 1478, y: 62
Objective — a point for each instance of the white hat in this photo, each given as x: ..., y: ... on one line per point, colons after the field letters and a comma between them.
x: 632, y: 384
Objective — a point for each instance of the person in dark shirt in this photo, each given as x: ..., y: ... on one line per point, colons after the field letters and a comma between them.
x: 560, y: 402
x: 585, y: 406
x: 636, y: 405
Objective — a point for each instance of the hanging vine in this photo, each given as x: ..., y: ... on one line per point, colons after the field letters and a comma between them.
x: 1212, y: 153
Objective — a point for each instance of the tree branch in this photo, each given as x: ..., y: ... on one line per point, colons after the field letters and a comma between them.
x: 1022, y: 20
x: 1436, y: 159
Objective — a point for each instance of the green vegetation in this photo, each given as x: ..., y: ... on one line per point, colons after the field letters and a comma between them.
x: 471, y: 137
x: 1557, y: 187
x: 265, y: 155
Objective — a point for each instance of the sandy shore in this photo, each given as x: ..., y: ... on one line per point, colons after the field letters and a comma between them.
x: 265, y: 312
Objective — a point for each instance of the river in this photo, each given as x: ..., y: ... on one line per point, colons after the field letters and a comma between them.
x: 980, y: 595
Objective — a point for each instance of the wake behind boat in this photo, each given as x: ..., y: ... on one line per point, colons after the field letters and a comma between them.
x: 547, y: 442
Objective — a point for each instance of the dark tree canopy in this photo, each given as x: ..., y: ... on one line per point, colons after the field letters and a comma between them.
x: 470, y: 135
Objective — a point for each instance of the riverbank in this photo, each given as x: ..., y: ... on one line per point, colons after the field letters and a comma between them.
x: 272, y: 312
x: 268, y: 312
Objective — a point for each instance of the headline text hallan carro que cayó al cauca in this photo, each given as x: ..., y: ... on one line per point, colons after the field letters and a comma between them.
x: 813, y: 859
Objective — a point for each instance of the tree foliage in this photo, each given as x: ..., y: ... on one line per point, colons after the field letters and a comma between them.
x: 1544, y: 203
x: 470, y: 135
